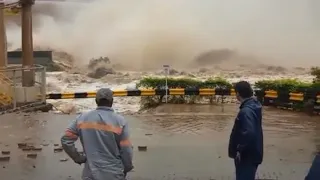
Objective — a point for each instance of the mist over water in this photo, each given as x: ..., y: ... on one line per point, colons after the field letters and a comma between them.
x: 149, y: 33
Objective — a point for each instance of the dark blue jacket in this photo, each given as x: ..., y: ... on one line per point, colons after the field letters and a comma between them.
x: 314, y: 172
x: 247, y: 135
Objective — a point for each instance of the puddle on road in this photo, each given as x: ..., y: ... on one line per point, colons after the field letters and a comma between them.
x: 184, y: 140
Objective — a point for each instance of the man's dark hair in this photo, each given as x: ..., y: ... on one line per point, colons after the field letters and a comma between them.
x: 104, y: 102
x: 243, y: 88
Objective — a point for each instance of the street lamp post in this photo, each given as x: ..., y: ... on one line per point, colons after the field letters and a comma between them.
x: 166, y: 68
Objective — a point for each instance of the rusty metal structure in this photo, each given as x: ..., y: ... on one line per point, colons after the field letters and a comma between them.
x: 26, y: 68
x: 27, y: 42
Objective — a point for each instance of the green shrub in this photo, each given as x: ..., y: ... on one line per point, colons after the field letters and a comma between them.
x: 291, y: 85
x: 280, y: 85
x: 216, y: 83
x: 160, y: 83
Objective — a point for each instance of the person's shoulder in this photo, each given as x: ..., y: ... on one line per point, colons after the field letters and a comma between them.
x: 251, y: 107
x: 85, y: 115
x: 245, y: 110
x: 120, y: 119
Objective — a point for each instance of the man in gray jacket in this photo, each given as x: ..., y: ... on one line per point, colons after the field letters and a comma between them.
x: 104, y: 136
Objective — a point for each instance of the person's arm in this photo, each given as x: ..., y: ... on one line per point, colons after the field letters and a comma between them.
x: 68, y: 139
x: 246, y: 129
x: 126, y: 151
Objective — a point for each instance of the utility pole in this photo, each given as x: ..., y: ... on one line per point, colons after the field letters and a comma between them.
x: 27, y: 43
x: 3, y: 38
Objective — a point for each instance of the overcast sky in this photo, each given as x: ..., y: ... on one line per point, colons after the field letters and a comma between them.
x: 286, y: 30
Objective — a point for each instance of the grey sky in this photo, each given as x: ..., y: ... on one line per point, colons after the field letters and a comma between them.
x: 285, y: 31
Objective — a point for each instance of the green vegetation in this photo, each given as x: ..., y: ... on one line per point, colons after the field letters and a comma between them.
x: 160, y: 83
x: 285, y: 85
x: 280, y: 85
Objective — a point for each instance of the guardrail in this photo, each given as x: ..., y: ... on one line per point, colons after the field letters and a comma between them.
x: 146, y: 92
x: 291, y: 100
x: 187, y: 91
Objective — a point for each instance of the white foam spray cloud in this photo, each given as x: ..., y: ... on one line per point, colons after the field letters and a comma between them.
x: 148, y: 33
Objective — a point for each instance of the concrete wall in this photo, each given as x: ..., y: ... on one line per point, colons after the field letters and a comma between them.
x: 22, y: 94
x: 27, y: 94
x: 40, y: 57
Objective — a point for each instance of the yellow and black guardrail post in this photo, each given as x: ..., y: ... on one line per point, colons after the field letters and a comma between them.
x: 270, y: 97
x: 292, y: 100
x: 297, y: 100
x: 283, y: 99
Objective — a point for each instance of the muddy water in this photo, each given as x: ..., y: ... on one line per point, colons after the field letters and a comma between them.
x: 184, y: 142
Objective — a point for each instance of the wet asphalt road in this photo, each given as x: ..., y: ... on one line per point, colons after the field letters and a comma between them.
x: 184, y: 142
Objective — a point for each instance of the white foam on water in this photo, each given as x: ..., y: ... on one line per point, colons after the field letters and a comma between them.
x: 82, y: 83
x: 121, y: 104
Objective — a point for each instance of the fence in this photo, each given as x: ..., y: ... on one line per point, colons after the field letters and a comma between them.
x: 14, y: 94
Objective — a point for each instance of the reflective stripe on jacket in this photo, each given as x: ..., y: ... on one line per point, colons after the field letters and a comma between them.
x: 105, y: 139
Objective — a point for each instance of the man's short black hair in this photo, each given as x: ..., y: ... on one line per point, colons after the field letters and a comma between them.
x: 104, y: 102
x: 243, y: 88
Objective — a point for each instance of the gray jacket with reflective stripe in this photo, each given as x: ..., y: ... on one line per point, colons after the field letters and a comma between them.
x: 105, y: 139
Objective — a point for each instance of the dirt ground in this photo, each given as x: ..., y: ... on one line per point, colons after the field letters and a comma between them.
x: 184, y: 142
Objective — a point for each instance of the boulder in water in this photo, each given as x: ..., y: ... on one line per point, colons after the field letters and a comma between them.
x: 100, y: 67
x: 101, y: 72
x: 102, y: 61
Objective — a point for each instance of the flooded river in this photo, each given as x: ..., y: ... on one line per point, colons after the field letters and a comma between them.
x: 183, y: 142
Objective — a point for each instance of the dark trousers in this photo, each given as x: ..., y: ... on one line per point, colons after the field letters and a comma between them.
x: 246, y: 170
x: 314, y: 172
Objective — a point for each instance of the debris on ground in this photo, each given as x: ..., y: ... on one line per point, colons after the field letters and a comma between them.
x: 4, y: 158
x: 64, y: 159
x: 5, y: 152
x: 142, y: 148
x: 32, y: 155
x: 57, y: 149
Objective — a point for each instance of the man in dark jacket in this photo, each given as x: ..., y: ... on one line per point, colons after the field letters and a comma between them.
x: 246, y: 139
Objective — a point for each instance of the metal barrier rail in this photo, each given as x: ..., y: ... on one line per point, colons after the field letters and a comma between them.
x: 188, y: 91
x: 288, y: 100
x: 146, y: 92
x: 268, y: 98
